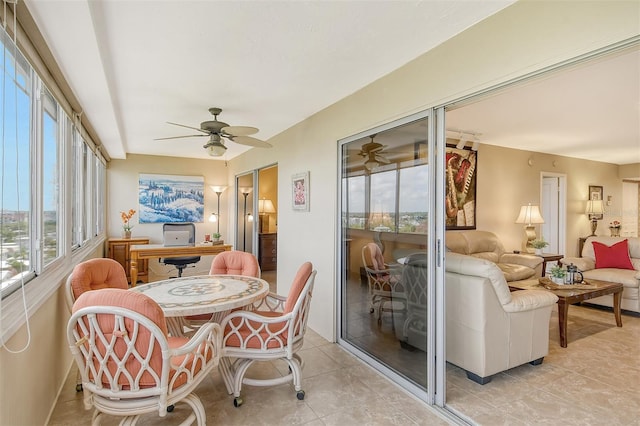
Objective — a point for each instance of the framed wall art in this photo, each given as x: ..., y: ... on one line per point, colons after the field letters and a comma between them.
x: 595, y: 193
x: 300, y: 191
x: 171, y: 198
x: 460, y: 202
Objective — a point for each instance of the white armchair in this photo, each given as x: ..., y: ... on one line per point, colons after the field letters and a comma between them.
x: 489, y: 328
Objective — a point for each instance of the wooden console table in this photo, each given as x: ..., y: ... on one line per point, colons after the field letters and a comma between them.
x: 156, y: 251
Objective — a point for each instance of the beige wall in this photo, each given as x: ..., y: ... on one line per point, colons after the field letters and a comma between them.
x: 525, y: 37
x: 506, y: 181
x: 502, y: 47
x: 31, y: 380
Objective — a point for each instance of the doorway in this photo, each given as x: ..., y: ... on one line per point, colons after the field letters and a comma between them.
x: 553, y: 205
x: 257, y: 218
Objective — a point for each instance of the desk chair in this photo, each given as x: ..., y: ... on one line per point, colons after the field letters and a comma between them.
x: 180, y: 262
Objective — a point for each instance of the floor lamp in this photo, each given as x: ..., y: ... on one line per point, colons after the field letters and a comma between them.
x: 215, y: 217
x: 245, y: 218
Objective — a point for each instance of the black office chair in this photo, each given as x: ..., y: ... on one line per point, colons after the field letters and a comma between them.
x: 180, y: 262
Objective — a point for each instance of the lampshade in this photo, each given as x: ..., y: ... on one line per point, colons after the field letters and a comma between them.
x: 216, y: 149
x: 245, y: 190
x: 218, y: 188
x: 371, y: 164
x: 529, y: 214
x: 594, y: 207
x: 213, y: 217
x: 266, y: 206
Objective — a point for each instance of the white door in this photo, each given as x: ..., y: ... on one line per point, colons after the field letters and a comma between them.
x: 553, y: 209
x: 630, y: 212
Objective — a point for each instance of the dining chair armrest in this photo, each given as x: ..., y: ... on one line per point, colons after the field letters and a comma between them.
x: 210, y: 334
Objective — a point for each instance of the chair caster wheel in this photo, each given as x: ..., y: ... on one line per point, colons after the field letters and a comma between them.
x: 300, y: 395
x: 371, y: 310
x: 79, y: 387
x: 170, y: 408
x: 237, y: 401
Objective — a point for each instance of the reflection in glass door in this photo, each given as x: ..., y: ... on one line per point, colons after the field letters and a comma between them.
x: 385, y: 221
x: 244, y: 212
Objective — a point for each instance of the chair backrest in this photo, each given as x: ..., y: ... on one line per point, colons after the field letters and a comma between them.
x: 184, y: 226
x: 95, y: 274
x: 299, y: 300
x: 121, y: 337
x: 372, y: 257
x: 473, y: 266
x: 414, y: 278
x: 235, y: 263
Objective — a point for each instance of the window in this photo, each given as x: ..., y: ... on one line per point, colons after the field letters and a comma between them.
x: 390, y: 195
x: 37, y: 139
x: 16, y: 228
x: 51, y: 173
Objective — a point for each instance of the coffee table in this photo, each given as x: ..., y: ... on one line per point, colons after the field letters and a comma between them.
x: 570, y: 295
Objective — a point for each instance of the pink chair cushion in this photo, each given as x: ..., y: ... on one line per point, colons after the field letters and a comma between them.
x: 146, y: 306
x: 304, y: 272
x: 375, y: 257
x: 272, y: 342
x: 235, y: 263
x: 96, y: 274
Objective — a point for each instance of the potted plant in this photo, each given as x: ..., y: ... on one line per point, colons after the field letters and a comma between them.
x: 538, y: 245
x: 126, y: 222
x: 216, y: 236
x: 558, y: 274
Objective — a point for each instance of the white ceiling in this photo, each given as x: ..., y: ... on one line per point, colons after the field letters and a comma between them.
x: 134, y: 65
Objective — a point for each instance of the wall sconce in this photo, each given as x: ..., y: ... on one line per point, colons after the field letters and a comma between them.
x: 530, y: 215
x: 595, y: 211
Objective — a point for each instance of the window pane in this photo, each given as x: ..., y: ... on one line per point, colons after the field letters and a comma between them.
x: 50, y: 176
x: 413, y: 200
x: 15, y: 113
x: 382, y: 211
x: 355, y: 202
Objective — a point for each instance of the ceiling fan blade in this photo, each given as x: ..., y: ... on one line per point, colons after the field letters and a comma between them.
x: 382, y: 159
x: 239, y: 130
x: 248, y: 140
x: 189, y: 127
x: 180, y: 137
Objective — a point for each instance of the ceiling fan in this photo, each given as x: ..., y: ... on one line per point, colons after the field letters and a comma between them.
x: 373, y: 152
x: 217, y: 130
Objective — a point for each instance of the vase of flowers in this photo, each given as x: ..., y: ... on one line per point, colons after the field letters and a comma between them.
x: 538, y: 245
x: 126, y: 222
x: 614, y: 228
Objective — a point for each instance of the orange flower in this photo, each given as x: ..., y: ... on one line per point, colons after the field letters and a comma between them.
x: 126, y: 217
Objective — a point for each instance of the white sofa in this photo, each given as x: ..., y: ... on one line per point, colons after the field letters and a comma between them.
x: 629, y: 278
x: 489, y: 328
x: 486, y: 245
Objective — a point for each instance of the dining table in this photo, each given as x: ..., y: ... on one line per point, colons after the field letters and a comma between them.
x: 202, y: 294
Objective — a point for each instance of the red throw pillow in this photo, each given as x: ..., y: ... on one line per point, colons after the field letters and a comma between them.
x: 616, y: 256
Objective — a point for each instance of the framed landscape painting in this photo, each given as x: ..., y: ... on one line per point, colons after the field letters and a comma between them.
x: 460, y: 202
x: 171, y: 198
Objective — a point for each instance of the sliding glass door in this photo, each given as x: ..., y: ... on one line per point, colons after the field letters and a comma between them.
x: 387, y: 187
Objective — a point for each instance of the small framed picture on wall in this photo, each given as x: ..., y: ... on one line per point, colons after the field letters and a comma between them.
x: 300, y: 191
x: 595, y: 194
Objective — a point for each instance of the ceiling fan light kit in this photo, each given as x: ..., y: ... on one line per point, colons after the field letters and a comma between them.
x: 218, y: 130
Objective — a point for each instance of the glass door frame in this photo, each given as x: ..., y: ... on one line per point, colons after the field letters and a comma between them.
x: 435, y: 133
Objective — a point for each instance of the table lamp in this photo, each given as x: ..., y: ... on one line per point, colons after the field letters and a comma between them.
x: 595, y: 210
x: 530, y: 216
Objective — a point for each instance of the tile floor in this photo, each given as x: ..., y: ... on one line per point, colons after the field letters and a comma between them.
x: 594, y: 381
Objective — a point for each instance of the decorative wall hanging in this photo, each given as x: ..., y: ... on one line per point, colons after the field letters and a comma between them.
x: 460, y: 202
x: 171, y: 198
x: 300, y: 191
